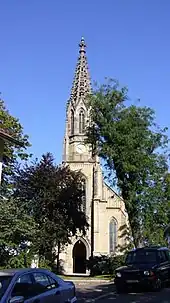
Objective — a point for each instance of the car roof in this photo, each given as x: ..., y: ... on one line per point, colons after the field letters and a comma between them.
x: 12, y: 272
x: 150, y: 248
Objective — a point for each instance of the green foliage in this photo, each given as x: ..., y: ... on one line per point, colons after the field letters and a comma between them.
x: 133, y: 148
x: 105, y: 265
x: 16, y: 228
x: 125, y: 234
x: 167, y: 188
x: 16, y: 262
x: 43, y: 263
x: 167, y: 195
x: 53, y: 196
x: 12, y: 152
x: 21, y: 260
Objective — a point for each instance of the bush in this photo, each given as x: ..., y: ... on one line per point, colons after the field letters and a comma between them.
x: 98, y: 265
x: 105, y: 265
x: 16, y: 262
x: 21, y: 260
x: 43, y: 263
x: 115, y: 262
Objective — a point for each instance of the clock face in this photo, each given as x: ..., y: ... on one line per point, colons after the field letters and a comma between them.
x: 80, y: 148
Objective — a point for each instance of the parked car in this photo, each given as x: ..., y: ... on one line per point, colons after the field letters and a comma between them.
x: 144, y: 267
x: 34, y: 286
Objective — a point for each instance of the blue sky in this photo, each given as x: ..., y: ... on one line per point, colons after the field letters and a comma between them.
x: 127, y: 40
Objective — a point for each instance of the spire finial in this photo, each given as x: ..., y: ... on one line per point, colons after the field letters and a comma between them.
x: 81, y: 83
x: 82, y: 46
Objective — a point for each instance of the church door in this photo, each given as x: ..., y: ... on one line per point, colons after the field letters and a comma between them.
x: 79, y: 258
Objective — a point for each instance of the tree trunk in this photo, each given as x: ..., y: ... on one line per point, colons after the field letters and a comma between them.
x: 25, y: 259
x: 58, y: 258
x: 135, y: 233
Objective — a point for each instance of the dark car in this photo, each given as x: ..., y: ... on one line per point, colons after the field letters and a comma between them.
x: 144, y: 267
x: 34, y: 286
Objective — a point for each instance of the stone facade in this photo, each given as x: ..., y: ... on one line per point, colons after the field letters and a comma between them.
x: 109, y: 210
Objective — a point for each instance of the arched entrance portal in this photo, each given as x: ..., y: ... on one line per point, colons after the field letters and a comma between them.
x: 79, y: 258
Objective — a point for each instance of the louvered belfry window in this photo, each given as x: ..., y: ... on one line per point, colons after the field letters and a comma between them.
x: 72, y: 122
x: 81, y: 121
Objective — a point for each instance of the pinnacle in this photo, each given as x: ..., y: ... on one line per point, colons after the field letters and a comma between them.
x: 81, y: 83
x: 82, y: 45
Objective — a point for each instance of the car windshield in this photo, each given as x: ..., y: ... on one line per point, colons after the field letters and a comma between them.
x: 141, y: 256
x: 4, y: 282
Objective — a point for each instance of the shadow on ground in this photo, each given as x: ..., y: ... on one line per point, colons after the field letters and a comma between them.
x: 88, y: 293
x: 92, y: 291
x: 138, y: 297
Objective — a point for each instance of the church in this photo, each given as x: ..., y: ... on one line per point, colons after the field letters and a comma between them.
x: 104, y: 208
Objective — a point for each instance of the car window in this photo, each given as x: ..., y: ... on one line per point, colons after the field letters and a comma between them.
x: 45, y: 280
x: 41, y: 279
x: 25, y: 279
x: 53, y: 283
x: 4, y: 282
x: 24, y: 287
x: 167, y: 253
x: 141, y: 256
x: 162, y: 256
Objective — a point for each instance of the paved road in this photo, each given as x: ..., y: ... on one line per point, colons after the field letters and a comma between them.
x: 106, y: 294
x: 87, y: 292
x: 161, y: 297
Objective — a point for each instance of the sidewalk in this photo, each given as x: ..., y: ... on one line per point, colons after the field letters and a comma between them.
x: 91, y: 281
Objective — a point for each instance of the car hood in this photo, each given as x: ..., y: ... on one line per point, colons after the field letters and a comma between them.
x: 131, y: 267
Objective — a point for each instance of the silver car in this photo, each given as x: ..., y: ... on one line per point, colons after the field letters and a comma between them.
x: 34, y: 286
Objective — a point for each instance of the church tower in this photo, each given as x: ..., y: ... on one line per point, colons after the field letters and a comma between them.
x: 78, y: 155
x: 77, y: 115
x: 75, y: 153
x: 103, y: 207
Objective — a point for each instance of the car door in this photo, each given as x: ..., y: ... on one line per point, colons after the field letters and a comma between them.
x: 47, y: 289
x: 36, y: 288
x: 23, y: 287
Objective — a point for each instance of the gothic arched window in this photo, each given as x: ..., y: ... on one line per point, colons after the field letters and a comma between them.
x: 83, y: 182
x: 81, y: 121
x: 112, y: 235
x: 72, y: 122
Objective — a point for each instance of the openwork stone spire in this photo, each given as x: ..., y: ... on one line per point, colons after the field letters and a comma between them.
x: 81, y: 84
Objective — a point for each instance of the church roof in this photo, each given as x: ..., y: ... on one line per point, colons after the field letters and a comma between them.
x: 111, y: 189
x: 81, y: 86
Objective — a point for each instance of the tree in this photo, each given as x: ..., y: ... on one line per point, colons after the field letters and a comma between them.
x: 53, y: 196
x: 12, y: 152
x: 16, y: 229
x: 167, y: 195
x: 167, y: 186
x: 133, y: 148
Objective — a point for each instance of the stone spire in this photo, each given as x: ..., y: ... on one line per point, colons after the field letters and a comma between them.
x: 81, y: 84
